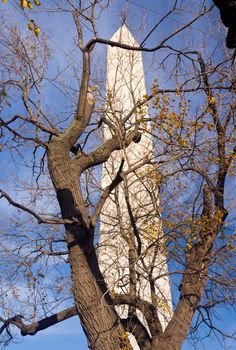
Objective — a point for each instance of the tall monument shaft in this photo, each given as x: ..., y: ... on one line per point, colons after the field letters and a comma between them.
x: 131, y: 239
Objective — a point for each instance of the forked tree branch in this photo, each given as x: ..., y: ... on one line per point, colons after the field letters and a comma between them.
x: 148, y: 310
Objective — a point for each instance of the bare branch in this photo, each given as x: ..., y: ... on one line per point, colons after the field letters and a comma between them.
x: 102, y: 153
x: 35, y: 327
x: 106, y: 192
x: 40, y: 219
x: 92, y: 42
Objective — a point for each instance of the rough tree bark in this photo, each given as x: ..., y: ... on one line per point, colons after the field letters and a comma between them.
x: 99, y: 319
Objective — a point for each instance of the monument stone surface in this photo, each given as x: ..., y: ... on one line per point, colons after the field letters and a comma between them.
x: 131, y: 250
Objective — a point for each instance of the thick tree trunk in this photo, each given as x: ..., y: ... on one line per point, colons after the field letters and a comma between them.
x: 192, y: 288
x: 176, y: 331
x: 99, y: 319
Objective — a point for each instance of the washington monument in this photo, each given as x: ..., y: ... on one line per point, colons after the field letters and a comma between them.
x: 131, y: 237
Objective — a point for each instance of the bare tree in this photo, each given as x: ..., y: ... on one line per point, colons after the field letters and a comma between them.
x: 55, y: 265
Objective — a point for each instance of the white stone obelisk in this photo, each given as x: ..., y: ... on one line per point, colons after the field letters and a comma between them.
x: 131, y: 239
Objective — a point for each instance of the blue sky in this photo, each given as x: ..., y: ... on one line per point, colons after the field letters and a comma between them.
x: 60, y: 28
x: 65, y: 335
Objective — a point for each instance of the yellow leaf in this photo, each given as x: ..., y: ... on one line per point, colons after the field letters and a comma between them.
x: 23, y: 4
x: 31, y: 26
x: 211, y: 99
x: 3, y: 93
x: 123, y: 336
x: 36, y: 31
x: 30, y: 6
x: 188, y: 245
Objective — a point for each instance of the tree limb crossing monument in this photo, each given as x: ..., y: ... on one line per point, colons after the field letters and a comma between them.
x: 131, y: 251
